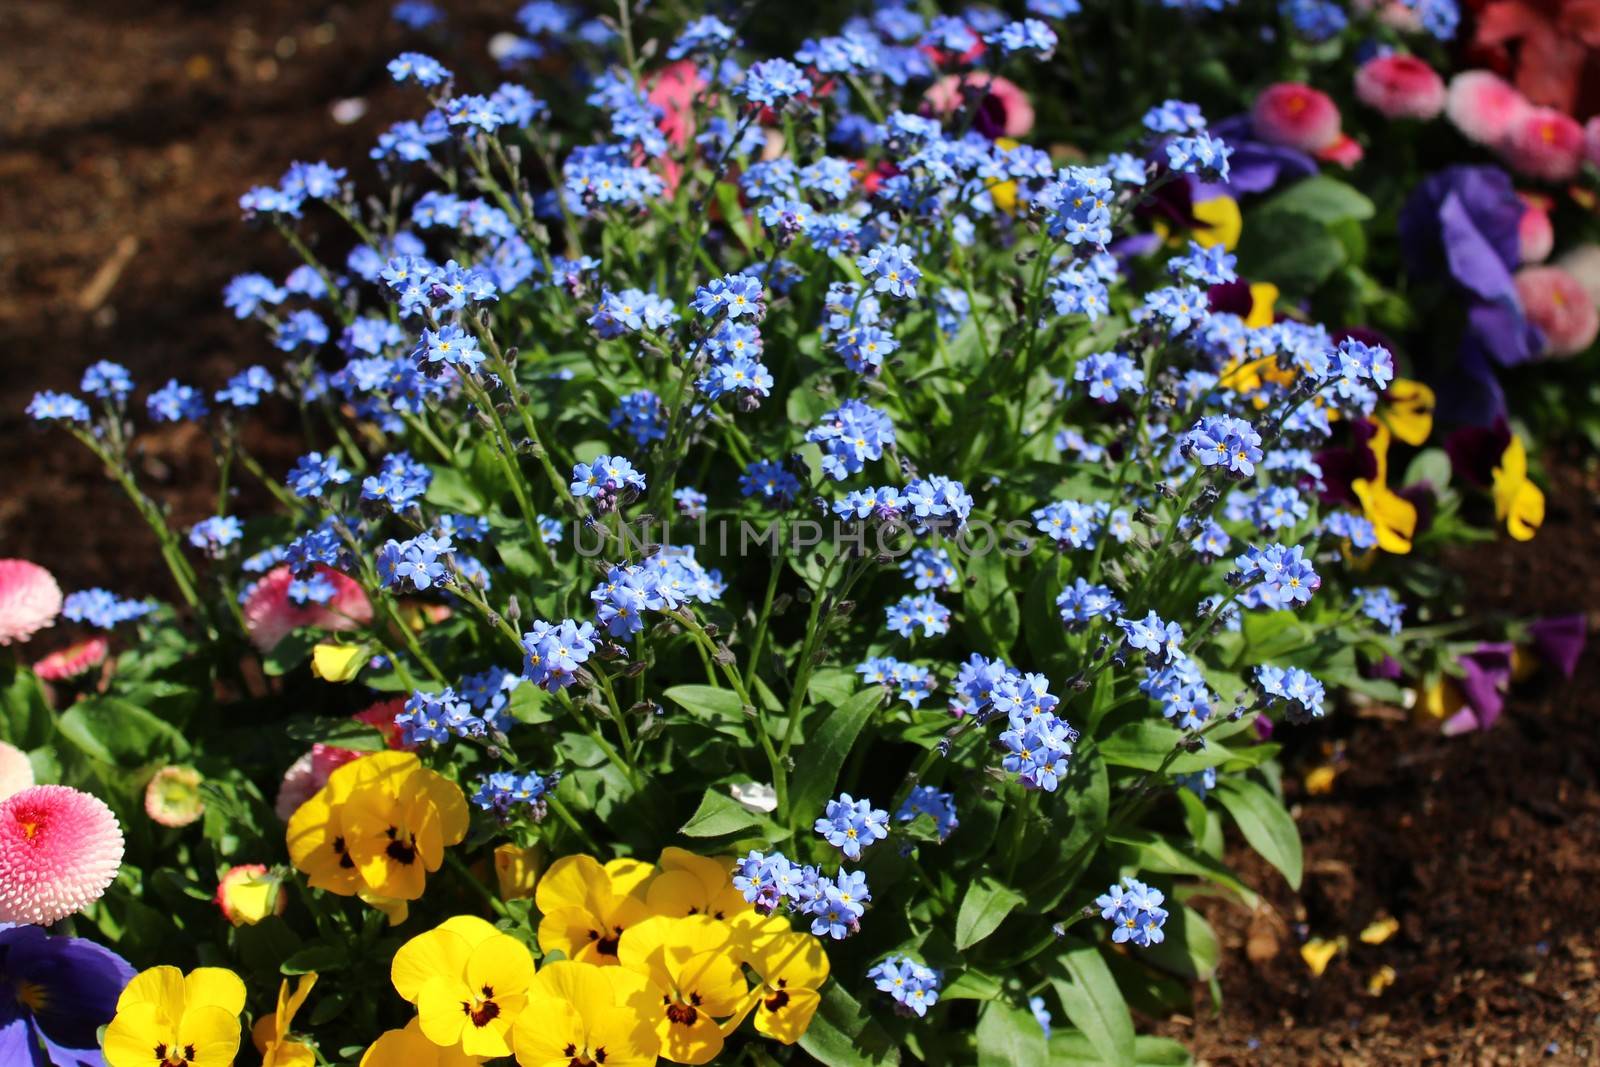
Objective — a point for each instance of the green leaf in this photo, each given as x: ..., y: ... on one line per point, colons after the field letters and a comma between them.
x: 1145, y: 744
x: 843, y: 1034
x: 1291, y: 249
x: 733, y: 214
x: 1068, y: 1048
x: 1009, y: 1037
x: 318, y: 958
x: 119, y: 733
x: 341, y: 732
x: 1190, y: 950
x: 1092, y: 1001
x: 26, y: 720
x: 816, y: 772
x: 1265, y: 823
x: 707, y: 701
x: 984, y: 907
x: 991, y: 602
x: 1325, y: 199
x: 1051, y: 874
x: 972, y: 985
x: 719, y: 815
x: 1159, y: 855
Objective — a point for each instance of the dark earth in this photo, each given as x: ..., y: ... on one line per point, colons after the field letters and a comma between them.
x: 131, y: 131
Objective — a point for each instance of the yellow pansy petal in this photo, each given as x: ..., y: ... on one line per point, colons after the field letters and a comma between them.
x: 289, y: 1004
x: 1219, y: 222
x: 338, y: 663
x: 1381, y: 979
x: 1408, y: 410
x: 716, y: 981
x: 290, y: 1054
x: 214, y: 987
x: 571, y: 882
x: 1527, y: 512
x: 545, y: 1030
x: 627, y: 1037
x: 628, y: 877
x: 676, y: 893
x: 796, y: 959
x: 695, y: 1039
x: 134, y: 1032
x: 785, y: 1014
x: 159, y: 986
x: 450, y: 802
x: 443, y: 951
x: 1263, y: 304
x: 212, y: 1032
x: 1393, y: 517
x: 517, y: 870
x: 439, y: 1011
x: 501, y: 963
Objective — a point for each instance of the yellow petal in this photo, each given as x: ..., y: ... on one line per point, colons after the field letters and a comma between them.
x: 517, y: 870
x: 158, y: 986
x: 1263, y: 305
x: 786, y: 1013
x: 1381, y: 979
x: 628, y: 877
x: 290, y: 1054
x: 715, y: 982
x: 1319, y: 780
x: 1408, y: 410
x: 214, y: 987
x: 572, y: 882
x: 798, y: 960
x: 443, y: 951
x: 439, y: 1011
x: 137, y: 1029
x: 411, y: 1048
x: 501, y: 963
x: 1442, y: 699
x: 1526, y: 512
x: 213, y: 1032
x: 1393, y: 517
x: 1380, y: 930
x: 1220, y: 222
x: 338, y: 663
x: 451, y: 804
x: 1318, y: 954
x: 698, y: 1039
x: 546, y: 1029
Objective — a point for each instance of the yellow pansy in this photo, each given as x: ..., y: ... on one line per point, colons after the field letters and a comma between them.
x: 792, y: 968
x: 1380, y: 930
x: 1407, y: 410
x: 517, y: 870
x: 1218, y: 222
x: 338, y: 663
x: 586, y: 1015
x: 1393, y: 517
x: 167, y: 1019
x: 586, y: 907
x: 1004, y: 193
x: 475, y: 1005
x: 1517, y: 501
x: 271, y: 1032
x: 691, y: 962
x: 377, y: 829
x: 1440, y: 700
x: 1318, y: 953
x: 695, y: 885
x: 410, y: 1048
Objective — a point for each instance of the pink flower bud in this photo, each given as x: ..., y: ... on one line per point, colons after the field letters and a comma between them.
x: 1401, y: 87
x: 1535, y: 236
x: 1296, y: 116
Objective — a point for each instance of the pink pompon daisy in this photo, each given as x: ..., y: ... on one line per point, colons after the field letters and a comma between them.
x: 1003, y: 108
x: 16, y: 772
x: 30, y: 600
x: 59, y: 850
x: 74, y: 661
x: 270, y: 615
x: 172, y: 798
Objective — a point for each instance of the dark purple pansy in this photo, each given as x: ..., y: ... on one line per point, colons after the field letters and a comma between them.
x: 55, y: 994
x: 1560, y: 639
x: 1255, y: 166
x: 1475, y: 451
x: 1485, y: 678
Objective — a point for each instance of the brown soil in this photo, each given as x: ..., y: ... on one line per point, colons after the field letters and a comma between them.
x: 131, y: 133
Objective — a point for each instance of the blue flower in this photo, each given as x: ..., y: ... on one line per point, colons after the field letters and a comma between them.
x: 934, y: 803
x: 890, y: 270
x: 1109, y: 375
x: 1381, y: 605
x: 773, y: 82
x: 50, y: 406
x: 245, y: 389
x: 850, y: 435
x: 102, y: 608
x: 929, y: 568
x: 1082, y: 602
x: 175, y: 402
x: 1201, y: 155
x: 1135, y: 913
x: 643, y: 415
x: 914, y: 986
x: 416, y: 67
x: 215, y: 534
x: 733, y: 295
x: 910, y: 613
x: 1223, y: 440
x: 313, y: 473
x: 1024, y: 36
x: 771, y: 481
x: 605, y: 480
x: 851, y: 825
x: 1300, y: 694
x: 704, y: 35
x: 414, y: 564
x: 553, y: 652
x: 448, y: 346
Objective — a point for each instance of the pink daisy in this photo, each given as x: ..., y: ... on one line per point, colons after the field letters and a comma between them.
x: 1557, y: 303
x: 68, y: 663
x: 270, y: 614
x: 59, y: 850
x: 1295, y: 115
x: 16, y: 772
x: 1004, y: 109
x: 30, y: 600
x: 1400, y: 87
x: 1484, y: 106
x: 1544, y: 143
x: 1536, y: 237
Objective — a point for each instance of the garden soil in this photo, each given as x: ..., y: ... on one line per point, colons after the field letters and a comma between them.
x: 133, y: 128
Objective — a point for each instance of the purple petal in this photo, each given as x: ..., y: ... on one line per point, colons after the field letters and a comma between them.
x: 1560, y: 639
